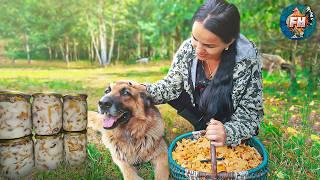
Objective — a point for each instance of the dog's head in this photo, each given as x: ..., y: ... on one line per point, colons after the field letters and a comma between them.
x: 122, y: 101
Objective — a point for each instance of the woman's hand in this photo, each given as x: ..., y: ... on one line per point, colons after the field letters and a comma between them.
x: 137, y: 85
x: 216, y: 132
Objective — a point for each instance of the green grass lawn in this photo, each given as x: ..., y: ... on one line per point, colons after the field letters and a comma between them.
x: 290, y: 131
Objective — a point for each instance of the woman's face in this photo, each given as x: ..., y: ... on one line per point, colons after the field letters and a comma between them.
x: 208, y: 46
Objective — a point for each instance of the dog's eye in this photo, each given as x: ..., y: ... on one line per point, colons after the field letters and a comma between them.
x: 107, y: 90
x: 124, y: 92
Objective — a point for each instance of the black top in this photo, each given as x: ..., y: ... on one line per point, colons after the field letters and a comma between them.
x: 201, y: 83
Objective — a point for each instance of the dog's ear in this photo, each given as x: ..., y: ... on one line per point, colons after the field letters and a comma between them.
x: 147, y: 101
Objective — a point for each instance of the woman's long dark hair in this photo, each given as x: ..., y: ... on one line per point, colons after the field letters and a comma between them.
x: 222, y: 19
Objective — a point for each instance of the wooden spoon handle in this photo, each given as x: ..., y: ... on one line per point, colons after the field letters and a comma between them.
x: 213, y: 160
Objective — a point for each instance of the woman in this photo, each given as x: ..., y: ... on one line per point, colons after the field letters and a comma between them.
x: 215, y: 78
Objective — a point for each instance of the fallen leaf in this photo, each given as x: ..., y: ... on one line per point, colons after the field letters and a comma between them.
x: 280, y: 174
x: 291, y: 108
x: 292, y: 131
x: 311, y: 103
x: 315, y: 138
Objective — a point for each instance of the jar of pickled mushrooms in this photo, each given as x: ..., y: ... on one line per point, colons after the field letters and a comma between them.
x: 16, y: 157
x: 75, y: 112
x: 48, y: 151
x: 75, y: 145
x: 47, y: 113
x: 15, y: 115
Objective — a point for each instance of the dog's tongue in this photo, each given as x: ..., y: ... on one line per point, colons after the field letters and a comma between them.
x: 109, y: 121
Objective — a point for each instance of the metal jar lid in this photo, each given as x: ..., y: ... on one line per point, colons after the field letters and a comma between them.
x: 13, y: 96
x: 48, y: 94
x: 14, y: 142
x: 48, y: 136
x: 82, y: 97
x: 75, y: 133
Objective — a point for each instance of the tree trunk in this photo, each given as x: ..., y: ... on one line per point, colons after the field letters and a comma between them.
x: 102, y: 33
x: 162, y: 47
x: 94, y: 43
x: 177, y: 34
x: 67, y: 53
x: 55, y: 53
x: 26, y: 37
x: 75, y: 53
x: 13, y: 60
x: 167, y: 47
x: 315, y: 73
x: 89, y: 53
x: 62, y: 51
x: 111, y: 40
x: 173, y: 47
x: 152, y: 51
x: 118, y: 52
x: 92, y: 52
x: 50, y: 52
x: 96, y: 50
x: 139, y: 44
x: 293, y: 63
x: 103, y: 45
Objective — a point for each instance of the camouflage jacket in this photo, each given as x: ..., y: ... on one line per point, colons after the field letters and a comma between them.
x: 246, y: 93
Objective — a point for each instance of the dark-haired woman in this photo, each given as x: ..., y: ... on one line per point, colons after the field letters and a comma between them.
x: 215, y: 79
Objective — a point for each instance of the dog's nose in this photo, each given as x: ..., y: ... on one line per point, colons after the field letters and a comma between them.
x: 104, y: 104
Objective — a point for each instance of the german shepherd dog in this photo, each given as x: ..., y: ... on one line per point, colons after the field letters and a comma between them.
x: 132, y: 129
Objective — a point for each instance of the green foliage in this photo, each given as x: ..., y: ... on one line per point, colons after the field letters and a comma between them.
x: 150, y: 29
x: 141, y: 29
x: 164, y: 69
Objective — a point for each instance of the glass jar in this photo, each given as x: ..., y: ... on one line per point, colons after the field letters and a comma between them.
x: 16, y: 157
x: 15, y: 115
x: 75, y: 145
x: 75, y: 110
x: 48, y: 151
x: 47, y: 113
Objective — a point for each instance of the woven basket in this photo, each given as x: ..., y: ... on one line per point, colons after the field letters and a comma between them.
x: 178, y: 172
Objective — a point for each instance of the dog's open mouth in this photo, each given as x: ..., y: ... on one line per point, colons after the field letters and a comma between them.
x: 110, y: 121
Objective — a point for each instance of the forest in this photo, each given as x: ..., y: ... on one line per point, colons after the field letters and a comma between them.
x: 79, y: 46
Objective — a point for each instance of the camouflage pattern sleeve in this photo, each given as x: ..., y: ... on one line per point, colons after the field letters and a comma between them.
x: 171, y: 86
x: 245, y: 121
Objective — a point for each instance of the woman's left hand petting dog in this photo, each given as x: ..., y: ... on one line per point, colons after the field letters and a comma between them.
x: 132, y: 129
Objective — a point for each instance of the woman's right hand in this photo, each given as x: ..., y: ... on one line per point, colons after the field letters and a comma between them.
x: 216, y: 133
x: 136, y: 85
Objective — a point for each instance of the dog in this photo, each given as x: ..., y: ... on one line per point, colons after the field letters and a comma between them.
x: 132, y: 129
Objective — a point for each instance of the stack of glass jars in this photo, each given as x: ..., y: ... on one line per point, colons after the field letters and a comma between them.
x: 47, y: 122
x: 59, y: 127
x: 16, y: 145
x: 75, y: 112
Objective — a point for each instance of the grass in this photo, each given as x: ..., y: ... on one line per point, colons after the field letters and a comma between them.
x: 291, y: 121
x: 289, y: 130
